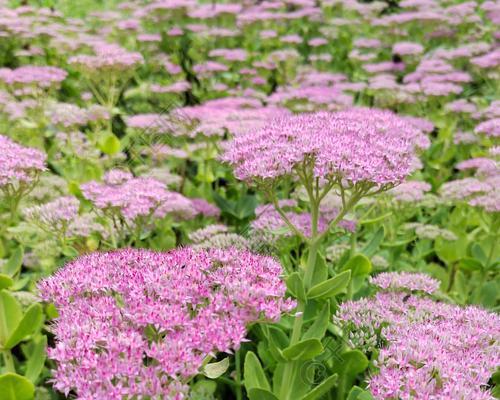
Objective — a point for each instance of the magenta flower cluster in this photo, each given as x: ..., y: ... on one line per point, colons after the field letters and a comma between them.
x: 136, y: 196
x: 41, y: 76
x: 137, y: 324
x: 359, y: 145
x: 434, y: 350
x: 19, y: 164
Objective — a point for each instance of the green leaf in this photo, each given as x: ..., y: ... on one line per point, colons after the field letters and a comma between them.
x: 5, y: 281
x: 318, y: 328
x: 451, y: 251
x: 478, y: 253
x: 260, y: 394
x: 331, y: 287
x: 320, y: 273
x: 296, y: 286
x: 376, y: 219
x: 357, y: 393
x: 109, y: 144
x: 216, y: 369
x: 10, y: 315
x: 36, y: 359
x: 245, y: 207
x: 323, y: 388
x: 470, y: 264
x: 303, y: 350
x: 203, y: 389
x: 224, y: 204
x: 372, y: 246
x: 489, y: 294
x: 253, y: 374
x: 70, y: 251
x: 15, y: 387
x: 277, y: 341
x: 13, y: 265
x: 352, y: 363
x: 359, y: 265
x: 28, y: 324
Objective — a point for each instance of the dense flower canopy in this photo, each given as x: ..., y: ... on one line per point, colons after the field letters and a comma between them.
x: 18, y: 164
x: 147, y: 319
x: 434, y: 350
x: 358, y: 144
x: 136, y: 197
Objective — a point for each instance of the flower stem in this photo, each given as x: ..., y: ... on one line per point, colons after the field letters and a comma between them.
x: 9, y: 361
x: 239, y: 392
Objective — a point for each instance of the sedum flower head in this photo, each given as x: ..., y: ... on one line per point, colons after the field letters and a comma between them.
x: 136, y: 197
x: 406, y: 280
x: 359, y: 145
x: 433, y: 350
x: 19, y: 164
x: 133, y: 323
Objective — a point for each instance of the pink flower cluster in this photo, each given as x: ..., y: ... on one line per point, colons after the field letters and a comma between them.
x: 136, y: 197
x: 270, y: 222
x: 233, y: 114
x: 359, y: 145
x: 134, y: 323
x: 482, y: 190
x: 405, y: 281
x: 410, y: 192
x: 434, y: 350
x: 55, y: 215
x: 204, y: 208
x: 108, y: 57
x: 19, y: 164
x: 40, y: 76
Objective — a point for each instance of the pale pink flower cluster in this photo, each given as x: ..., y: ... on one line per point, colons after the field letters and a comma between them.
x: 108, y: 57
x: 133, y: 323
x: 67, y: 115
x: 151, y: 123
x: 405, y: 281
x: 234, y: 114
x: 482, y: 190
x: 269, y: 221
x: 490, y: 127
x: 136, y: 197
x: 434, y: 350
x: 205, y: 208
x: 55, y: 215
x: 19, y: 164
x: 359, y: 145
x: 410, y: 192
x: 40, y: 76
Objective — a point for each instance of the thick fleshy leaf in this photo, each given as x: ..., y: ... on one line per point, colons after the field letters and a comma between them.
x: 216, y: 369
x: 253, y: 374
x: 319, y: 391
x: 10, y: 315
x: 36, y: 358
x: 303, y: 350
x: 331, y: 287
x: 16, y: 387
x: 30, y: 321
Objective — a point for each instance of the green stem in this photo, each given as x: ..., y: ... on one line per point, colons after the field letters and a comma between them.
x: 299, y: 319
x: 239, y: 391
x: 9, y: 361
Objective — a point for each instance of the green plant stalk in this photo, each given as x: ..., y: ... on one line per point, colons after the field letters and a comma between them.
x: 289, y: 371
x: 314, y: 243
x: 9, y: 361
x: 238, y: 388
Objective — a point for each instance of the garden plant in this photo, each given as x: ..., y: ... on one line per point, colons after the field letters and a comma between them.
x: 249, y: 200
